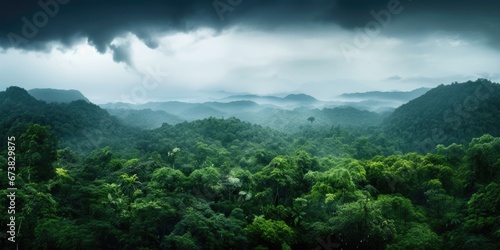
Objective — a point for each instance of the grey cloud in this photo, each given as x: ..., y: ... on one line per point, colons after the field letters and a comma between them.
x: 121, y: 53
x: 469, y: 19
x: 394, y: 78
x: 100, y: 21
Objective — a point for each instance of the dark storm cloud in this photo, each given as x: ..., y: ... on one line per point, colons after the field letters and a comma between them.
x: 121, y: 53
x: 471, y: 19
x: 351, y: 13
x: 99, y: 21
x: 29, y: 25
x: 32, y: 25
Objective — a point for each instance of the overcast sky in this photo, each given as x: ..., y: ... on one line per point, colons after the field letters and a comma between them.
x: 135, y: 51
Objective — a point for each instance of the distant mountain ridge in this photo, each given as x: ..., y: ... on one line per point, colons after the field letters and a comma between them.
x: 387, y: 95
x: 282, y: 119
x: 295, y: 100
x: 145, y: 118
x: 300, y: 98
x: 446, y: 114
x: 57, y: 95
x: 286, y: 113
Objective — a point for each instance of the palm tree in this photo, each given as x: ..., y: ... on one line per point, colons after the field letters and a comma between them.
x: 129, y: 184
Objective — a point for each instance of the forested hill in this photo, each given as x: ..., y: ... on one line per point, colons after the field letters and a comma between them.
x: 57, y: 95
x: 78, y: 124
x: 447, y: 114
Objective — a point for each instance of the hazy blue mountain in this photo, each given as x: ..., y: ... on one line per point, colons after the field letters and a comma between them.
x: 234, y: 107
x: 390, y: 95
x: 251, y: 97
x: 379, y: 101
x: 290, y: 101
x: 292, y: 120
x: 119, y: 105
x: 178, y: 108
x: 145, y: 118
x: 369, y: 105
x: 201, y: 111
x: 370, y: 101
x: 290, y: 115
x: 57, y: 95
x: 300, y: 98
x: 172, y: 107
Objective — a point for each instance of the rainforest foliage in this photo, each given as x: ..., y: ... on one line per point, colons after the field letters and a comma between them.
x: 93, y: 183
x: 222, y: 184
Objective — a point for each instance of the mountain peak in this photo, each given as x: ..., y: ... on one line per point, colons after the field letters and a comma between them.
x: 14, y: 90
x: 57, y: 95
x: 18, y: 94
x: 300, y: 98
